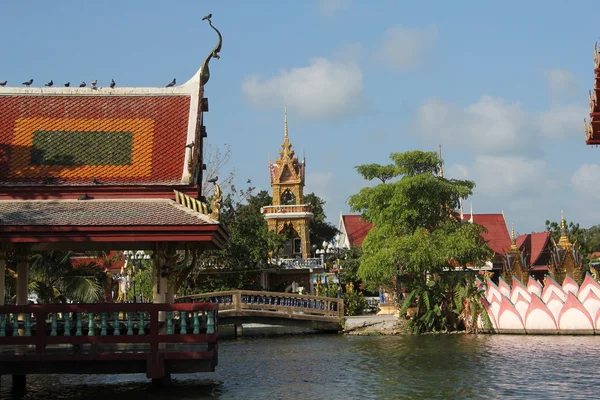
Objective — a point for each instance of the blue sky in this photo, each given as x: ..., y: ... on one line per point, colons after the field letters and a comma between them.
x: 501, y: 85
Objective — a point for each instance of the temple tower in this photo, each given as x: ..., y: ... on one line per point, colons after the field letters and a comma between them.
x: 565, y: 258
x: 514, y: 262
x: 287, y: 215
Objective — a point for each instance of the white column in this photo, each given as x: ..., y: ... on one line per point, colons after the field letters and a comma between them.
x: 2, y: 275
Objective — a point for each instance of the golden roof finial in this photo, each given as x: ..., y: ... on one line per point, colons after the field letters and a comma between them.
x: 596, y: 56
x: 513, y: 238
x: 285, y: 126
x: 564, y: 239
x: 441, y: 163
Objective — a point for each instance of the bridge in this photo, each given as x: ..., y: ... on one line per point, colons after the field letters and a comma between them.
x: 239, y: 307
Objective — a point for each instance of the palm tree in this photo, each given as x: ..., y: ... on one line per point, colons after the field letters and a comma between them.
x: 55, y: 280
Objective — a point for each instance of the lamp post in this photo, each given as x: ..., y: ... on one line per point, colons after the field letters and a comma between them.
x: 328, y: 249
x: 137, y: 259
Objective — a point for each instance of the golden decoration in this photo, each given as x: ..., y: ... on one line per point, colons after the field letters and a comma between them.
x: 587, y: 129
x: 216, y: 203
x: 596, y: 56
x: 190, y: 202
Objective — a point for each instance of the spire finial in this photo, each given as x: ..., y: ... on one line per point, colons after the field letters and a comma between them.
x: 564, y: 239
x: 512, y: 233
x: 441, y: 163
x: 285, y: 126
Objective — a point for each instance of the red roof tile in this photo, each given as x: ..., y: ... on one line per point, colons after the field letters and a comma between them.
x: 151, y: 212
x: 356, y: 228
x: 533, y: 246
x: 497, y: 236
x: 82, y: 136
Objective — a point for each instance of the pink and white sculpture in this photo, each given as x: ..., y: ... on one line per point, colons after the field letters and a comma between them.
x: 553, y: 309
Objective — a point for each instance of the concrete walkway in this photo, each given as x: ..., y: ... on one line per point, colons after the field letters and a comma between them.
x: 371, y: 323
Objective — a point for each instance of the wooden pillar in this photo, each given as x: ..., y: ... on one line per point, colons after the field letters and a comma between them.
x: 22, y: 256
x: 2, y: 277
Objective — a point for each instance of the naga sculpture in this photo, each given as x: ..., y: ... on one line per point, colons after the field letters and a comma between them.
x: 205, y: 71
x: 216, y: 202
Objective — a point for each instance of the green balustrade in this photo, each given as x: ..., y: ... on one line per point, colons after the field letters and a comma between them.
x: 91, y: 328
x: 28, y: 324
x: 103, y: 324
x: 210, y: 323
x: 183, y: 319
x: 130, y: 323
x: 169, y: 323
x: 2, y: 326
x: 15, y: 324
x: 196, y: 323
x: 117, y: 329
x: 67, y: 324
x: 53, y: 325
x: 78, y: 328
x: 141, y: 323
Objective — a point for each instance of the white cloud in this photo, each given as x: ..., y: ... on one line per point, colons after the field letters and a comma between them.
x: 406, y: 48
x: 330, y: 7
x: 323, y: 90
x: 560, y: 81
x: 586, y: 181
x: 319, y: 183
x: 562, y: 121
x: 490, y: 125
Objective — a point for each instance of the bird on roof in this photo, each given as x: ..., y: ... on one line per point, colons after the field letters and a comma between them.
x: 94, y: 83
x: 3, y: 83
x: 213, y: 180
x: 112, y: 84
x: 209, y: 16
x: 82, y: 84
x: 173, y: 82
x: 189, y: 145
x: 68, y: 84
x: 49, y: 84
x: 28, y: 83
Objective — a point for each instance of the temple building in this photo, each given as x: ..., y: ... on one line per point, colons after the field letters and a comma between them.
x: 352, y: 230
x: 565, y: 258
x: 514, y: 262
x: 536, y: 249
x: 289, y: 217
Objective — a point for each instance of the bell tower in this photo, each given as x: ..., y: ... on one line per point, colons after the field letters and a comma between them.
x: 287, y: 215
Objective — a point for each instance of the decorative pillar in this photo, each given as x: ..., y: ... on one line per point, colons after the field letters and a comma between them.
x: 159, y: 284
x: 2, y: 276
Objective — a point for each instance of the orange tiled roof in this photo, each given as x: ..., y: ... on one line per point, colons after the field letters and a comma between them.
x: 356, y: 228
x: 497, y: 236
x: 533, y: 246
x: 83, y: 136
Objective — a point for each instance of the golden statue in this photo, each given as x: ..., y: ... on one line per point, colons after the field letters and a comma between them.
x: 216, y: 201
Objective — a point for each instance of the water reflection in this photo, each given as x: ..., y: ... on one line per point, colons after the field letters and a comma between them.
x: 363, y: 367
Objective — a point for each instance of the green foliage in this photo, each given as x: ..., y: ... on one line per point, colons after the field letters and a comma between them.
x: 354, y: 303
x: 416, y: 235
x: 54, y: 280
x: 320, y: 229
x: 588, y: 240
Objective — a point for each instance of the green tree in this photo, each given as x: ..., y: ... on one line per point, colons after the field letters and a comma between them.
x: 416, y: 235
x: 320, y: 230
x: 54, y: 280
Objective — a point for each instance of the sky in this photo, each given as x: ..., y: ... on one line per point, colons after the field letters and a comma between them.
x: 502, y: 86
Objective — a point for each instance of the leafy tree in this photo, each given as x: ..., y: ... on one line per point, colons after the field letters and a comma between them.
x: 320, y: 230
x: 416, y: 235
x: 54, y: 279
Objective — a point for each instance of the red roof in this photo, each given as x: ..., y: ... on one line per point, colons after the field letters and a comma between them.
x: 533, y: 246
x: 356, y: 228
x: 112, y: 261
x: 497, y: 236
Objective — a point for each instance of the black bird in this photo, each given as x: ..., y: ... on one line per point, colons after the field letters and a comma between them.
x: 209, y: 16
x: 112, y: 84
x: 85, y: 196
x: 49, y: 83
x: 189, y: 145
x: 95, y: 181
x: 28, y: 83
x: 173, y: 82
x: 82, y: 84
x: 68, y: 84
x: 213, y: 180
x: 3, y: 83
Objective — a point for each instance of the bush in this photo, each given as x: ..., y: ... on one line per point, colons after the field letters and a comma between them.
x: 354, y: 303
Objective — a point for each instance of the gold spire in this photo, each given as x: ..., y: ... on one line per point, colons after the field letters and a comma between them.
x: 513, y: 238
x: 285, y: 126
x: 441, y: 163
x: 564, y: 239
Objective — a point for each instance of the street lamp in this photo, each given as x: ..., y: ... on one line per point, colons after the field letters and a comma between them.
x: 328, y: 249
x: 137, y: 259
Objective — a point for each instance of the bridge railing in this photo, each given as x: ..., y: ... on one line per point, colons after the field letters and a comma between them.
x: 271, y: 301
x: 152, y: 332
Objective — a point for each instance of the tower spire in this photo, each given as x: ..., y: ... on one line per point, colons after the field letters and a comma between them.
x: 564, y: 239
x: 513, y: 238
x: 285, y: 125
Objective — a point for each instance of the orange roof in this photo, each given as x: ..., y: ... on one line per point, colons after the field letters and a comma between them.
x: 533, y: 246
x: 356, y: 228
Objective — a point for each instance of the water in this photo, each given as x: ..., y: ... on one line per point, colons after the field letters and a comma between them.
x: 363, y: 367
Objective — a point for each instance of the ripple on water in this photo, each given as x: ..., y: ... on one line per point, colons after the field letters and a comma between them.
x: 362, y: 367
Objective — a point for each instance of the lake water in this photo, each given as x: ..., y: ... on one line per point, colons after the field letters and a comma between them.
x: 363, y: 367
